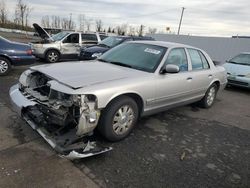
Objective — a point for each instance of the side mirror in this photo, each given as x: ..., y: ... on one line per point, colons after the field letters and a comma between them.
x: 171, y: 68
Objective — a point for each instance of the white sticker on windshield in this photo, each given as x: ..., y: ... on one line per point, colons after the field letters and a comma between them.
x: 152, y: 51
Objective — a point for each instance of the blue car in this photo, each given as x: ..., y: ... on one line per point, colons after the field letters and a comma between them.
x: 14, y: 54
x: 238, y: 70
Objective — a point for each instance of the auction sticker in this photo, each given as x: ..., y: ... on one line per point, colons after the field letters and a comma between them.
x: 152, y: 51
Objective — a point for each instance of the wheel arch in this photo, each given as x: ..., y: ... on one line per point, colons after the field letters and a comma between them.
x: 47, y: 50
x: 135, y: 96
x: 6, y: 57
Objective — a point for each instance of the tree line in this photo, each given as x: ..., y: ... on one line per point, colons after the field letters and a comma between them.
x: 20, y: 20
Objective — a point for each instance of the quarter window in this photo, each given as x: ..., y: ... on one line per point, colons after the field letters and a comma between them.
x: 204, y: 61
x: 178, y: 57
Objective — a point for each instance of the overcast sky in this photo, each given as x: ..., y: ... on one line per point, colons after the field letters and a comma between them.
x: 209, y: 18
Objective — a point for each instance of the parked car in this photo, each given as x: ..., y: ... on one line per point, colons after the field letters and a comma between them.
x: 94, y: 51
x: 63, y: 45
x: 238, y: 70
x: 14, y: 54
x: 134, y: 79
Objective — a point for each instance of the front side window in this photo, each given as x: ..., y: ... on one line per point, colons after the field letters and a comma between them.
x: 73, y: 38
x: 145, y: 57
x: 178, y: 57
x: 243, y: 59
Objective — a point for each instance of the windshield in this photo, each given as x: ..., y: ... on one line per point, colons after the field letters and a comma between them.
x: 139, y: 56
x: 59, y: 36
x: 243, y: 59
x: 111, y: 41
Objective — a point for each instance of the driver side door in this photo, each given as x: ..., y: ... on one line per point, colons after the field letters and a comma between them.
x: 174, y: 88
x: 71, y: 46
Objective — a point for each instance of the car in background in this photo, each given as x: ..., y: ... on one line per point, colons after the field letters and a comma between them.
x: 14, y: 54
x: 134, y: 79
x: 63, y: 45
x: 238, y: 70
x: 94, y: 51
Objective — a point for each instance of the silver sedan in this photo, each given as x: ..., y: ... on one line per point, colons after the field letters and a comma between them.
x: 132, y: 80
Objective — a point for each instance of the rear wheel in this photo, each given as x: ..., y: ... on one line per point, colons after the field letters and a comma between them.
x: 118, y: 119
x: 210, y: 96
x: 52, y: 56
x: 5, y: 66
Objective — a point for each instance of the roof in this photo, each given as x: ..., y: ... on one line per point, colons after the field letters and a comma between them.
x: 164, y: 44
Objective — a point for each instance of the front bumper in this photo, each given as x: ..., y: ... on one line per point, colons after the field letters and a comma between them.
x: 239, y: 81
x: 67, y: 144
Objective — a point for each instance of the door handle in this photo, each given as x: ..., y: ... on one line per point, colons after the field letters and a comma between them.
x: 189, y: 78
x: 210, y: 76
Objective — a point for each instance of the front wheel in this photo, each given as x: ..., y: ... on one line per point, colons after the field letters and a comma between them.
x: 5, y: 66
x: 52, y: 56
x: 210, y: 96
x: 118, y: 119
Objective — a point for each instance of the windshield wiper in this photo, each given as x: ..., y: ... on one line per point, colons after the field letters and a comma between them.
x: 105, y: 45
x: 238, y: 63
x: 120, y: 64
x: 115, y: 63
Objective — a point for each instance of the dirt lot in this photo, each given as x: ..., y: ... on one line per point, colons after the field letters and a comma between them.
x: 184, y: 147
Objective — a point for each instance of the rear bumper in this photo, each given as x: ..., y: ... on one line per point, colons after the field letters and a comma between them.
x: 23, y: 60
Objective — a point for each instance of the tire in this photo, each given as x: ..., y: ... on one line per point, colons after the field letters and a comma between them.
x: 208, y: 100
x: 118, y: 119
x: 52, y: 56
x: 5, y: 66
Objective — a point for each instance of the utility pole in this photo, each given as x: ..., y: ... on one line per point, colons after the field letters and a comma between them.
x: 182, y: 11
x: 70, y: 18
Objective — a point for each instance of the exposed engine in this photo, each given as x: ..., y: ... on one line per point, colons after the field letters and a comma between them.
x: 56, y: 110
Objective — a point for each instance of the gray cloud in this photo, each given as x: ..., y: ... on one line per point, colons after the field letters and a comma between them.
x: 211, y: 17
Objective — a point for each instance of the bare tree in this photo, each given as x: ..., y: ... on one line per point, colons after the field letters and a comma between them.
x: 109, y: 30
x: 88, y: 24
x: 99, y: 25
x: 81, y: 19
x: 152, y: 30
x: 140, y: 30
x: 27, y: 13
x: 3, y: 12
x: 55, y: 21
x: 131, y: 31
x: 22, y: 13
x: 45, y: 21
x: 67, y: 24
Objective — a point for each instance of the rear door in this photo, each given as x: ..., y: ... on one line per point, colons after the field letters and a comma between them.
x: 201, y: 73
x: 71, y: 46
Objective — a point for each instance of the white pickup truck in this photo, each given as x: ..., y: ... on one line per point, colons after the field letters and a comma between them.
x: 64, y: 45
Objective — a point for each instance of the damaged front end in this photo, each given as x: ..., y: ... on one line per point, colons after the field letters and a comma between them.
x: 65, y: 121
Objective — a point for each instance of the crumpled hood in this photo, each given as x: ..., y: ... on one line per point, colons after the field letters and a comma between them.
x: 237, y: 69
x: 82, y: 74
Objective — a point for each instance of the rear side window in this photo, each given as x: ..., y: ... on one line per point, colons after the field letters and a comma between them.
x: 198, y: 59
x: 89, y: 37
x: 178, y: 57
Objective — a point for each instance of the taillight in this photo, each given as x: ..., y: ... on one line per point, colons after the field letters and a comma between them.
x: 29, y: 52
